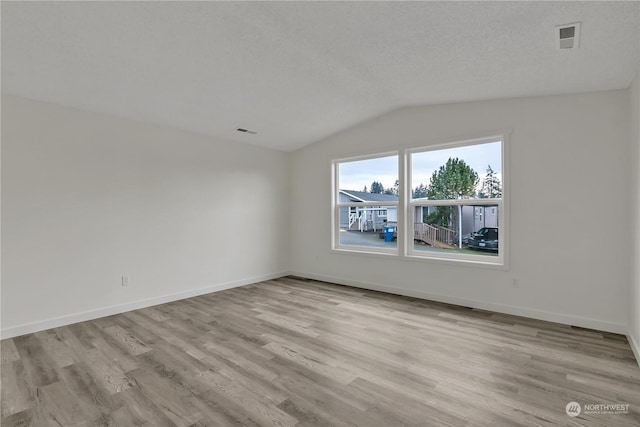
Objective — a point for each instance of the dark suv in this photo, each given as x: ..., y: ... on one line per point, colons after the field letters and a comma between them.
x: 484, y: 239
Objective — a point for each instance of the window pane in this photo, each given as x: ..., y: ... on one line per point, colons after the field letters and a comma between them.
x: 469, y: 172
x: 466, y: 229
x: 369, y: 226
x: 370, y: 190
x: 370, y: 180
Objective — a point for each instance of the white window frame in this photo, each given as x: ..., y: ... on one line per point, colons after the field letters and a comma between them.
x: 406, y: 208
x: 336, y: 206
x: 500, y: 259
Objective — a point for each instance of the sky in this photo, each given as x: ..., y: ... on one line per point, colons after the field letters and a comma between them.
x: 355, y: 175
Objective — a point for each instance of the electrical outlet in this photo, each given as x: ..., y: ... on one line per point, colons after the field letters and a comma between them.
x: 125, y: 280
x: 515, y: 283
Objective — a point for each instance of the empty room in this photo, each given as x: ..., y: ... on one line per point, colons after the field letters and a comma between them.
x: 371, y: 214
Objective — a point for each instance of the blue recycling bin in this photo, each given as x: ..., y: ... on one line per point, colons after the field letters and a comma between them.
x: 388, y: 233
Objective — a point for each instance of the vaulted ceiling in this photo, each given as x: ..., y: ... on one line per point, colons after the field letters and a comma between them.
x: 296, y: 72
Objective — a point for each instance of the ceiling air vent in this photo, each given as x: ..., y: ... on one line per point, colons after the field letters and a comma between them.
x: 251, y: 132
x: 568, y: 36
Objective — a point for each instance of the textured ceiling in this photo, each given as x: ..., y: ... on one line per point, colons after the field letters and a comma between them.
x: 296, y: 72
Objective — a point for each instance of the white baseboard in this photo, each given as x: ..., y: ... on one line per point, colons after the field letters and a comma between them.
x: 121, y: 308
x: 635, y: 346
x: 583, y: 322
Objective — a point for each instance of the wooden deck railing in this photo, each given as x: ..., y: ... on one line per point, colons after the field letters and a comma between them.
x: 425, y: 232
x: 446, y: 235
x: 434, y: 235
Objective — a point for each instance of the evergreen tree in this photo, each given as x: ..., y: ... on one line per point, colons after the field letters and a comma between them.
x: 419, y: 192
x: 491, y: 186
x: 377, y: 187
x: 454, y: 180
x: 394, y: 191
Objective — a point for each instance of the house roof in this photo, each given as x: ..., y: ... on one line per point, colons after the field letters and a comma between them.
x: 297, y: 72
x: 370, y: 197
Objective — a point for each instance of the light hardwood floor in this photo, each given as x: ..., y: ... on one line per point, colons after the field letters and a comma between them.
x: 298, y: 352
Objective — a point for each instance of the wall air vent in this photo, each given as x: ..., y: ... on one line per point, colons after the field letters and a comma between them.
x: 568, y: 36
x: 251, y: 132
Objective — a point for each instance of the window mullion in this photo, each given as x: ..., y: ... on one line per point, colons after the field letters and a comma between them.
x: 446, y: 227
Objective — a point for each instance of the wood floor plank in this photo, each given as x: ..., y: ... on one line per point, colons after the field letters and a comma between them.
x: 56, y: 402
x: 233, y: 411
x: 106, y: 371
x: 40, y: 367
x: 31, y: 417
x: 17, y: 394
x: 171, y: 399
x: 155, y: 314
x: 138, y: 409
x: 412, y: 413
x: 167, y: 332
x: 8, y: 351
x: 129, y: 342
x: 232, y: 351
x: 332, y: 373
x: 298, y: 352
x: 94, y: 399
x: 264, y: 412
x: 56, y: 348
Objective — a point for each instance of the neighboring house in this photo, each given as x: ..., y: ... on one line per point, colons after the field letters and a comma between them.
x: 373, y: 218
x: 476, y: 217
x: 473, y: 219
x: 370, y: 217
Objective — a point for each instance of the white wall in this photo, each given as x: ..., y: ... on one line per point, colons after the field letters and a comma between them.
x: 567, y: 152
x: 634, y: 291
x: 89, y: 197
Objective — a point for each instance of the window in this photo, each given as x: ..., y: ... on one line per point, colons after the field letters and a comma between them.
x: 366, y: 201
x: 442, y: 202
x: 456, y: 201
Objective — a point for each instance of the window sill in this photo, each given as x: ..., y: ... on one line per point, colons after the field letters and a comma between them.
x: 498, y: 264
